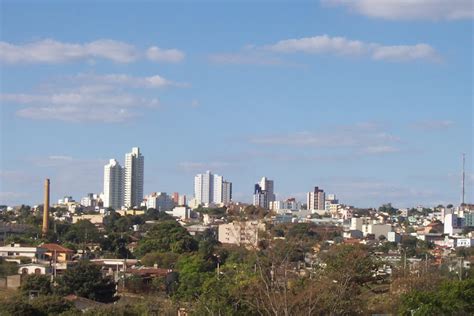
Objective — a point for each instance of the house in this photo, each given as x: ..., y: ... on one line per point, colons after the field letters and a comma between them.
x: 34, y: 268
x: 17, y: 250
x: 58, y: 253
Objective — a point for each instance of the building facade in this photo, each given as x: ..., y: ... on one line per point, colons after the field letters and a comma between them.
x: 263, y: 194
x: 316, y: 200
x: 113, y: 185
x: 133, y: 184
x: 211, y: 188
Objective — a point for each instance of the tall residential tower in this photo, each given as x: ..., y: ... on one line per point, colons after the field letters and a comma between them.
x: 113, y: 185
x: 134, y: 166
x: 211, y: 188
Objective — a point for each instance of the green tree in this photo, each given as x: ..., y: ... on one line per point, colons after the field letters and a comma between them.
x: 51, y: 305
x: 40, y: 283
x: 82, y: 232
x: 85, y: 279
x: 451, y: 298
x: 167, y: 236
x: 193, y: 271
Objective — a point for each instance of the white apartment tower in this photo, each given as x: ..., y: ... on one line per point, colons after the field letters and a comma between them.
x: 211, y: 188
x: 134, y: 165
x: 113, y: 185
x: 316, y: 200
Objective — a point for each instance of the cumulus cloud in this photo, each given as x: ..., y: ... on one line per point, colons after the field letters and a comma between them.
x: 409, y: 10
x: 49, y: 51
x: 157, y: 54
x: 90, y: 97
x: 324, y: 44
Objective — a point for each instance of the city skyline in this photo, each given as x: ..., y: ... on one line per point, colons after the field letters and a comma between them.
x: 376, y: 109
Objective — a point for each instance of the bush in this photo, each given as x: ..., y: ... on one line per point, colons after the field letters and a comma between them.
x: 39, y: 283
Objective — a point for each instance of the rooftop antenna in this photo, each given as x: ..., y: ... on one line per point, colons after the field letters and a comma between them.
x: 463, y: 177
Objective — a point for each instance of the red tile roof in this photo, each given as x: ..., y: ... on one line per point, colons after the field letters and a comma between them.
x: 56, y: 247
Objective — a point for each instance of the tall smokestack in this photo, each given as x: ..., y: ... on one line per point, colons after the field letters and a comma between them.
x: 463, y: 178
x: 46, y: 208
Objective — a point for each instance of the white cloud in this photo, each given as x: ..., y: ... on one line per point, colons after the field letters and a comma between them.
x: 50, y: 51
x: 430, y: 125
x: 155, y: 81
x: 363, y: 138
x: 79, y: 105
x: 324, y: 44
x: 405, y: 53
x: 157, y: 54
x: 89, y: 97
x: 409, y: 9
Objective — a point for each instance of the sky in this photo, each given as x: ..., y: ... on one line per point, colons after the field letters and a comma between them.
x: 371, y: 100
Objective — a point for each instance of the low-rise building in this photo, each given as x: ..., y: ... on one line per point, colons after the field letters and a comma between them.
x: 240, y: 233
x: 181, y: 212
x: 34, y: 268
x: 17, y: 250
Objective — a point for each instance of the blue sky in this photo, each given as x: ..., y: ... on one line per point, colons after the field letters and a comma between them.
x: 370, y: 100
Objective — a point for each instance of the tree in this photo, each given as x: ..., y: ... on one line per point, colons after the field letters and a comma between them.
x: 167, y: 236
x: 85, y: 279
x: 451, y: 298
x: 82, y: 232
x: 39, y: 283
x: 51, y: 305
x: 161, y: 259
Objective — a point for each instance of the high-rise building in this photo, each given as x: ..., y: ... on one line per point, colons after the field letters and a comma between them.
x: 204, y: 188
x: 316, y: 200
x: 263, y: 193
x: 226, y: 192
x: 134, y: 166
x: 113, y: 185
x: 175, y: 197
x: 211, y: 188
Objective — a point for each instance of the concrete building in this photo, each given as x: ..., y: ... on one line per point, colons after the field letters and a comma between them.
x: 34, y: 268
x: 113, y: 185
x: 226, y: 192
x: 211, y: 189
x: 376, y: 229
x: 182, y: 200
x: 181, y: 212
x: 96, y: 219
x: 92, y: 200
x: 469, y: 219
x: 17, y: 250
x: 263, y: 193
x: 288, y: 205
x: 315, y: 201
x: 160, y: 201
x: 133, y: 184
x: 240, y: 233
x: 453, y: 224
